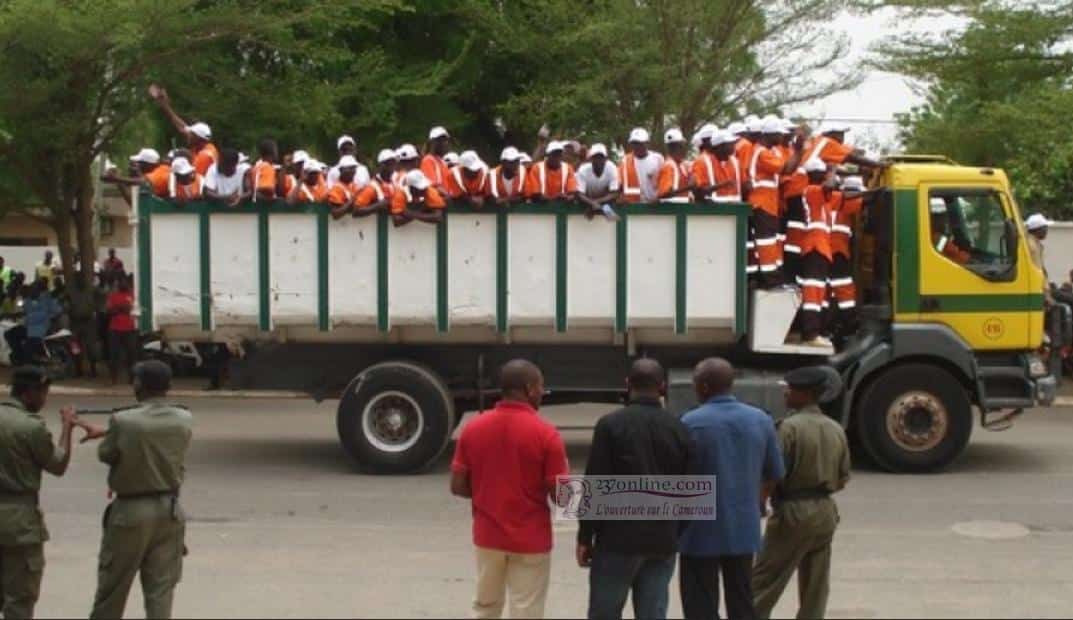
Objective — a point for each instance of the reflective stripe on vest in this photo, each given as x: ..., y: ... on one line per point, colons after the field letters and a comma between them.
x: 627, y: 165
x: 770, y: 184
x: 941, y: 245
x: 814, y: 155
x: 497, y: 175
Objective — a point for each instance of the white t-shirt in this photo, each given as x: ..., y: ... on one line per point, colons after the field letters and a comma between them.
x: 595, y: 186
x: 361, y: 177
x: 225, y: 185
x: 648, y: 175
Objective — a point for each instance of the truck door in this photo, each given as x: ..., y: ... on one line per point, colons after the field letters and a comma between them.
x: 975, y: 271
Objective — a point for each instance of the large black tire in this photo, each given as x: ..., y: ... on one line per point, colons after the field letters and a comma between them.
x: 914, y: 418
x: 395, y: 418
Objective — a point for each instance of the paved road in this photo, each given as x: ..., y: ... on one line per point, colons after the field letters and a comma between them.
x: 282, y: 526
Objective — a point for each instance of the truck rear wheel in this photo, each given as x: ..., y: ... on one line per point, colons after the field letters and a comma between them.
x: 914, y: 418
x: 395, y: 418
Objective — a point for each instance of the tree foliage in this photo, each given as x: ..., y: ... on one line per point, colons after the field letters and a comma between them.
x: 998, y: 93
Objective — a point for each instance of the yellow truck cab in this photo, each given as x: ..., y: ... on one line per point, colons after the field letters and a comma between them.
x: 952, y: 315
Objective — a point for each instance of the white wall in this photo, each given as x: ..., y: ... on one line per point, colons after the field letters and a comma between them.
x: 25, y: 257
x: 1058, y: 251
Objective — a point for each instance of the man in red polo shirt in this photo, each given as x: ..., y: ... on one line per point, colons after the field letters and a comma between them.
x: 507, y: 460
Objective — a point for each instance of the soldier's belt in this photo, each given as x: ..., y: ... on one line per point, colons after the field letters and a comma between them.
x: 168, y: 493
x: 802, y: 494
x: 22, y: 499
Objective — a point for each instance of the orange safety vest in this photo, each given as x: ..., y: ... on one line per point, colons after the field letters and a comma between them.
x: 190, y: 191
x: 540, y: 173
x: 765, y: 179
x: 462, y: 187
x: 631, y: 185
x: 500, y: 187
x: 725, y: 171
x: 842, y: 225
x: 673, y: 177
x: 818, y: 207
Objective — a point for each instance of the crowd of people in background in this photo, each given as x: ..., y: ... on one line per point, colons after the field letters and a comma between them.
x: 98, y: 316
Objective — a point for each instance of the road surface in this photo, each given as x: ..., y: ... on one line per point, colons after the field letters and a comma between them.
x: 283, y: 526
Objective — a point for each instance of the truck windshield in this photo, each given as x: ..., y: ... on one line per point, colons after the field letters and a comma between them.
x: 968, y: 227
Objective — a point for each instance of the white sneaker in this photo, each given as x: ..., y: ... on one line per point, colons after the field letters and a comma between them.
x: 818, y: 341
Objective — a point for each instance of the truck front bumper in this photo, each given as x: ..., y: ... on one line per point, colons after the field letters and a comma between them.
x: 1046, y: 390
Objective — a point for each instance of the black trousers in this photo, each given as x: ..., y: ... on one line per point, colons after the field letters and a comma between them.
x: 698, y: 582
x: 122, y: 345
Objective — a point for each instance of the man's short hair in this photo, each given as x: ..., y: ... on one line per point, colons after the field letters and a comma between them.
x: 154, y: 376
x: 646, y: 374
x: 26, y: 378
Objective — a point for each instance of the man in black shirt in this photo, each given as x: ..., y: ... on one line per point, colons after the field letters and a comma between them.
x: 640, y: 439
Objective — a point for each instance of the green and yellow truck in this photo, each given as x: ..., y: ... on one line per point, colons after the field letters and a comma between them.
x: 408, y: 325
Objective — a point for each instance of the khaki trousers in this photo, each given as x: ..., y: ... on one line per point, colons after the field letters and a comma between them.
x: 521, y: 576
x: 21, y: 568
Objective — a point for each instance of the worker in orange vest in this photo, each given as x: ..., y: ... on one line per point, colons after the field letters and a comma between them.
x: 265, y: 175
x: 198, y: 136
x: 639, y: 171
x: 830, y: 148
x: 766, y: 165
x: 507, y: 183
x: 675, y: 177
x: 408, y: 159
x: 432, y: 164
x: 748, y: 133
x: 378, y: 192
x: 820, y: 198
x: 468, y: 181
x: 843, y: 289
x: 312, y: 188
x: 185, y: 182
x: 417, y: 200
x: 553, y: 178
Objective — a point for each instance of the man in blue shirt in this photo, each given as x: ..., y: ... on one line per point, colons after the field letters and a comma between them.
x: 38, y: 309
x: 737, y: 444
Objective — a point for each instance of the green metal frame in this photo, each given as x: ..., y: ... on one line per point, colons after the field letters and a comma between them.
x: 150, y: 205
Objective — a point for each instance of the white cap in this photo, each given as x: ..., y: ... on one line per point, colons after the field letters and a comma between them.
x: 788, y: 126
x: 524, y: 158
x: 639, y: 134
x: 853, y: 183
x: 1036, y: 221
x: 343, y: 140
x: 815, y: 165
x: 673, y: 135
x: 437, y: 132
x: 200, y: 130
x: 737, y: 127
x: 451, y: 158
x: 597, y: 149
x: 347, y: 161
x: 707, y: 131
x: 554, y: 145
x: 182, y: 166
x: 510, y: 154
x: 756, y: 125
x: 771, y: 125
x: 470, y: 160
x: 311, y: 165
x: 386, y: 155
x: 834, y: 127
x: 406, y: 151
x: 146, y: 156
x: 243, y: 158
x: 937, y: 206
x: 298, y: 157
x: 323, y: 166
x: 416, y: 179
x: 723, y: 137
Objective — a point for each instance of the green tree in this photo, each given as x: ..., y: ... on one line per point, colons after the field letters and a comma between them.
x: 75, y: 73
x: 997, y: 93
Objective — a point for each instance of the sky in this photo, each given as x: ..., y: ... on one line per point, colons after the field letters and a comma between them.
x: 881, y: 95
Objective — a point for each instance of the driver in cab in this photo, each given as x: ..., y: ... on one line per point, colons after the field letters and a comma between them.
x: 940, y: 236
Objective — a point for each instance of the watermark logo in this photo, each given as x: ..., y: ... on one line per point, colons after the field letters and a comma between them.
x: 635, y: 498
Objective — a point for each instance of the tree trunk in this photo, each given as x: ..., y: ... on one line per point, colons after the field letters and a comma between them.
x: 83, y: 220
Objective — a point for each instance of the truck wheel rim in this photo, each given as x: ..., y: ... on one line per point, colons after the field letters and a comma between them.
x: 917, y: 421
x: 392, y: 422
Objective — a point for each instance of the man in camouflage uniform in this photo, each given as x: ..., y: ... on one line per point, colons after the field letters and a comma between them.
x: 25, y: 450
x: 799, y: 533
x: 144, y: 528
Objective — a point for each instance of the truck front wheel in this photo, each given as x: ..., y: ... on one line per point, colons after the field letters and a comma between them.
x: 395, y: 418
x: 914, y: 418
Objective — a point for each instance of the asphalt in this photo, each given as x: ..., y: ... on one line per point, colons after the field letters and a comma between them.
x: 282, y: 525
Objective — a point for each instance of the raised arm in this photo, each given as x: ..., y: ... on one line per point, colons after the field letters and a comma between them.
x: 160, y: 96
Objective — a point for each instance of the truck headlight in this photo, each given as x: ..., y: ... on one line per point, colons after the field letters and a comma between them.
x: 1036, y: 367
